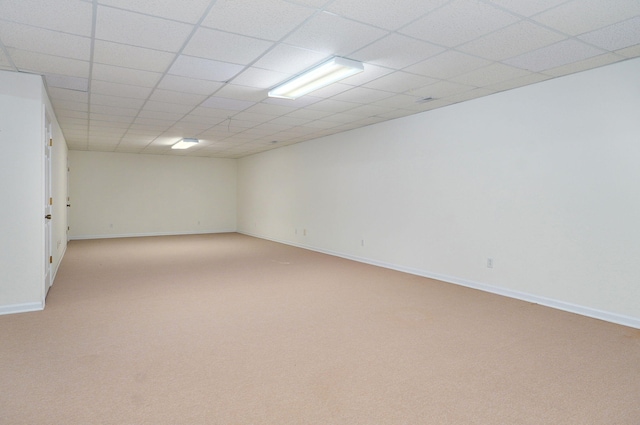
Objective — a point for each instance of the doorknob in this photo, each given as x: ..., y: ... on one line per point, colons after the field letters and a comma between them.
x: 48, y: 216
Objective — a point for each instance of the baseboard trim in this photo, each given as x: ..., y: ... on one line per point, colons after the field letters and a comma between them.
x: 607, y: 316
x: 21, y: 308
x: 143, y: 235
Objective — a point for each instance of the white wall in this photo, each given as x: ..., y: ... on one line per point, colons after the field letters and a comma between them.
x: 22, y: 137
x: 59, y: 187
x: 119, y: 194
x: 543, y: 179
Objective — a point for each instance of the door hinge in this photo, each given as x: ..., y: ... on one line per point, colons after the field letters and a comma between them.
x: 50, y: 201
x: 50, y: 142
x: 50, y: 259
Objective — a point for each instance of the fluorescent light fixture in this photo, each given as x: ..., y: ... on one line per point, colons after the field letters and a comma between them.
x: 329, y: 72
x: 185, y: 144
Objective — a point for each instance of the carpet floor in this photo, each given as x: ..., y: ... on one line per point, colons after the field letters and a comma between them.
x: 230, y: 329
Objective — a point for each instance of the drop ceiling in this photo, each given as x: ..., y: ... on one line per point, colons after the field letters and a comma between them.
x: 137, y: 75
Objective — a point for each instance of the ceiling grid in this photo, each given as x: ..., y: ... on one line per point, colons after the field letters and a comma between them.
x: 138, y: 75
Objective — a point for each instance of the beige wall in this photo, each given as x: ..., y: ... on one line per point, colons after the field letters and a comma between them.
x: 119, y: 194
x: 543, y: 180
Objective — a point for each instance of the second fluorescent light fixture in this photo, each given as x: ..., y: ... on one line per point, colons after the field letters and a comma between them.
x: 185, y: 144
x: 329, y: 72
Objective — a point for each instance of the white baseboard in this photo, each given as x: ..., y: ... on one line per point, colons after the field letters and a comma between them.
x: 607, y: 316
x: 143, y: 235
x: 21, y: 308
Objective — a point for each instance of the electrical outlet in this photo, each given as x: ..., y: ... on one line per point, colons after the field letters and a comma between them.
x: 489, y: 263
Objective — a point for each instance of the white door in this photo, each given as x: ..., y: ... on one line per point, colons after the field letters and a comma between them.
x: 48, y: 206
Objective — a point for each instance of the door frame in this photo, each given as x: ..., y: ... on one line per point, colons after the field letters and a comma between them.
x: 48, y: 205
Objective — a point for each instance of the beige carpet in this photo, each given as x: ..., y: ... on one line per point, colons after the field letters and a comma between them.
x: 229, y: 329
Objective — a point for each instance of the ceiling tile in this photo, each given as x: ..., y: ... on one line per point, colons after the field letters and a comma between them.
x: 69, y: 16
x: 71, y: 105
x: 397, y: 12
x: 300, y: 102
x: 116, y: 74
x: 114, y: 120
x: 109, y: 124
x: 173, y: 108
x: 202, y: 114
x: 167, y: 118
x: 629, y: 52
x: 555, y: 55
x: 468, y: 95
x: 67, y: 82
x: 74, y: 125
x: 266, y: 19
x: 364, y: 111
x: 459, y: 22
x: 41, y: 40
x: 582, y: 65
x: 370, y: 73
x: 191, y: 127
x: 289, y: 59
x: 156, y: 77
x: 267, y: 129
x: 148, y: 126
x: 116, y: 101
x: 510, y: 41
x: 322, y: 124
x: 233, y: 91
x: 4, y: 61
x: 260, y: 78
x: 362, y: 95
x: 122, y: 90
x: 518, y: 82
x: 276, y: 110
x: 125, y: 27
x: 312, y: 114
x: 396, y: 51
x: 189, y: 85
x: 47, y: 64
x: 224, y: 103
x: 114, y: 110
x: 440, y: 89
x: 341, y: 118
x: 399, y: 82
x: 170, y: 96
x: 252, y: 117
x: 169, y: 9
x: 580, y: 16
x: 617, y: 36
x: 134, y: 57
x: 448, y: 64
x: 63, y: 113
x: 214, y: 44
x: 492, y: 74
x: 333, y: 35
x: 204, y: 69
x: 290, y: 121
x: 528, y: 7
x: 333, y: 106
x: 322, y: 93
